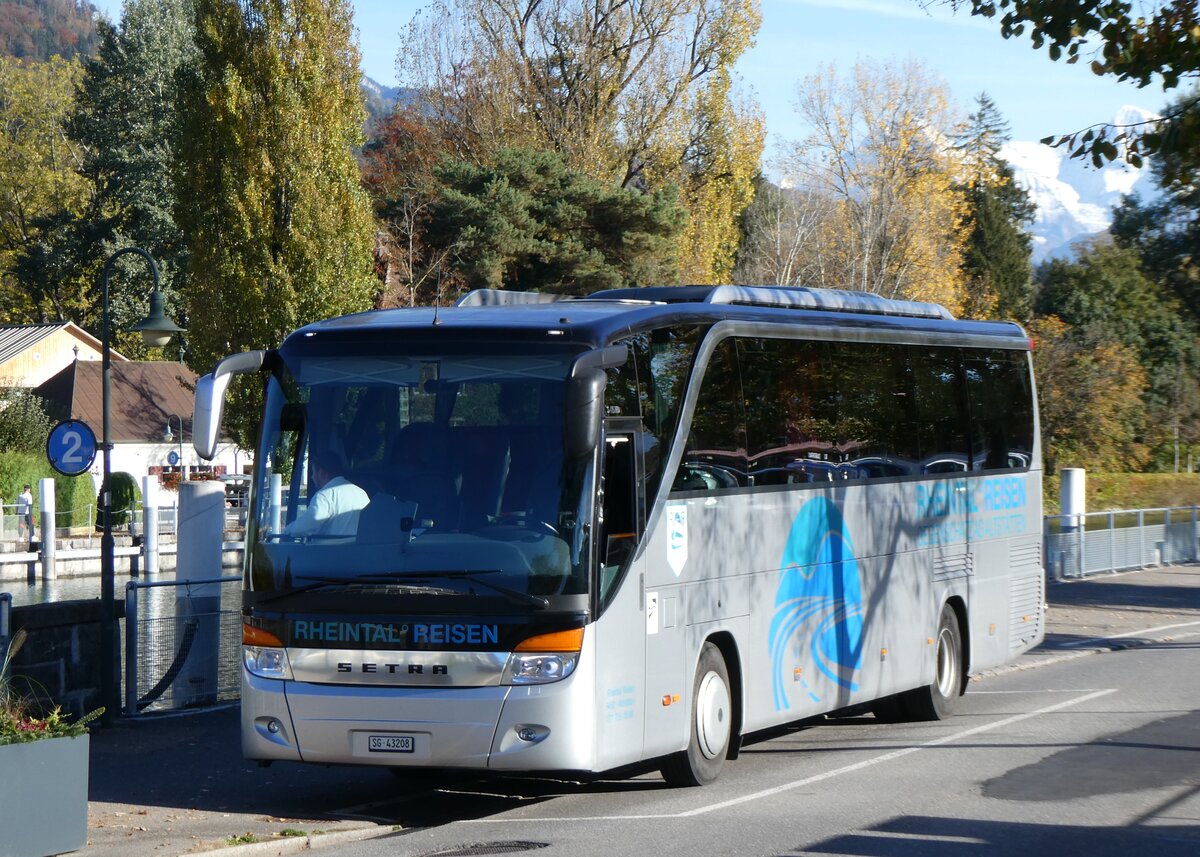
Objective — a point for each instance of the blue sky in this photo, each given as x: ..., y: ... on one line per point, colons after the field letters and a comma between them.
x: 1037, y: 97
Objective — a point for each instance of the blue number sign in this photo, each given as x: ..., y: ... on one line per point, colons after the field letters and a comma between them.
x: 71, y: 447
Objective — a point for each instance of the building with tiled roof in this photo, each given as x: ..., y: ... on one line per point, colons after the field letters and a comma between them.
x: 145, y: 397
x: 31, y: 354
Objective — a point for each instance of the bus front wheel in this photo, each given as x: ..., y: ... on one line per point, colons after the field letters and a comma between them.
x: 711, y: 725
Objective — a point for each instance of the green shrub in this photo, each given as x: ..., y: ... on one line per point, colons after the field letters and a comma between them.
x: 73, y: 494
x: 1112, y: 491
x: 125, y: 498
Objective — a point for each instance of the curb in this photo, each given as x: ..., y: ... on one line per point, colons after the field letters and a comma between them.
x: 298, y: 844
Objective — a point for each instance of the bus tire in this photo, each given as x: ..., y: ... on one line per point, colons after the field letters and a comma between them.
x: 711, y: 725
x: 937, y: 701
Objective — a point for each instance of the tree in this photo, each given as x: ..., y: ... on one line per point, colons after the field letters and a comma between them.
x: 1165, y: 232
x: 278, y: 228
x: 780, y: 227
x: 24, y: 424
x: 398, y: 174
x: 39, y: 183
x: 124, y: 122
x: 40, y: 29
x: 1107, y: 300
x: 997, y: 251
x: 1089, y: 400
x: 528, y: 222
x: 633, y: 92
x: 1128, y: 42
x: 877, y: 161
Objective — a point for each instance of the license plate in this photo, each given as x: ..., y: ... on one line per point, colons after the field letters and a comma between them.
x: 390, y: 743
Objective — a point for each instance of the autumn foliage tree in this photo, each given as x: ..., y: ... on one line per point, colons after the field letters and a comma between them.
x: 637, y: 94
x: 398, y: 173
x: 279, y: 229
x: 40, y: 187
x: 878, y: 163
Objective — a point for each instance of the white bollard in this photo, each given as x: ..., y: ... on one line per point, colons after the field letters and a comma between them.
x: 150, y: 525
x: 201, y: 531
x: 1073, y: 498
x: 46, y: 496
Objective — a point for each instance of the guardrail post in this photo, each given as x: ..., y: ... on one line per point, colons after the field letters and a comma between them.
x: 1192, y: 541
x: 1141, y: 527
x: 131, y: 648
x: 1167, y: 558
x: 1112, y: 542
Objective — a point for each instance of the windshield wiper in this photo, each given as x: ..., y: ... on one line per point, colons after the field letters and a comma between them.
x: 470, y: 576
x: 321, y: 582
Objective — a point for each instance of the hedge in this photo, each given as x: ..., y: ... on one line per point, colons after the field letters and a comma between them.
x: 73, y: 494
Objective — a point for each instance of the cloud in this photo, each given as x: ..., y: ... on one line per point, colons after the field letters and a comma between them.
x: 910, y: 10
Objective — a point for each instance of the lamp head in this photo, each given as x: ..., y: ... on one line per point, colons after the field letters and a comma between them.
x: 157, y: 328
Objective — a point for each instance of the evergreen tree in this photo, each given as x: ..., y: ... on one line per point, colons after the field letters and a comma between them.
x: 527, y: 222
x: 124, y: 121
x: 279, y: 231
x: 996, y: 256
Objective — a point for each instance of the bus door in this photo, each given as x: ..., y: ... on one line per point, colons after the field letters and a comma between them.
x: 620, y: 628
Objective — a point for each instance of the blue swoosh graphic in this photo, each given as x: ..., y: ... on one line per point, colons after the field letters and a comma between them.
x: 819, y: 589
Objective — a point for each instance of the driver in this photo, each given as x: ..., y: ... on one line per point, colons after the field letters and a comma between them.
x: 333, y: 509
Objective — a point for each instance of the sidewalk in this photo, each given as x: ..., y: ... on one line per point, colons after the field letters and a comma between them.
x: 178, y: 785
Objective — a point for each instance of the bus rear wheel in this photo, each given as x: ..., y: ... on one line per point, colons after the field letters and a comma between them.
x: 937, y: 701
x: 711, y: 725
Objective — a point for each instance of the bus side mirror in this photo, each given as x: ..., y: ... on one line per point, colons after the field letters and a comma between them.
x: 585, y: 399
x: 210, y: 399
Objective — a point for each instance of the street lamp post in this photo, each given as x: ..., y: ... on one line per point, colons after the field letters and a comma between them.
x: 168, y: 437
x: 156, y: 330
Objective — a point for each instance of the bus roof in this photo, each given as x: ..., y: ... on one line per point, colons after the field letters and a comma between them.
x: 602, y: 317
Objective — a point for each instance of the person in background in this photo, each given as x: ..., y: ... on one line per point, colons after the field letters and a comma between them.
x: 25, y: 513
x: 333, y: 509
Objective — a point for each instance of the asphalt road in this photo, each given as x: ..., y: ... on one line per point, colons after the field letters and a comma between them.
x: 1096, y: 756
x: 1088, y: 744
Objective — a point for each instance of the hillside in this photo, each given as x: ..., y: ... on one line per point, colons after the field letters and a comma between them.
x: 39, y: 29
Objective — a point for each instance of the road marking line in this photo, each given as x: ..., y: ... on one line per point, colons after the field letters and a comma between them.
x: 816, y: 778
x: 1095, y: 640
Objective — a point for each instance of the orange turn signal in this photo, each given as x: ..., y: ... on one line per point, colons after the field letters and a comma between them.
x: 556, y: 641
x: 252, y: 636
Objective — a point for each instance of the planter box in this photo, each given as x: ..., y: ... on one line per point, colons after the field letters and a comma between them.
x: 43, y: 797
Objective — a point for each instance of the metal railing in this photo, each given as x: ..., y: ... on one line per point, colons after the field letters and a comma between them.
x: 182, y: 644
x: 1077, y: 546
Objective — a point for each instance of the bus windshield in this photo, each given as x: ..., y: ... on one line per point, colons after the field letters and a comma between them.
x: 423, y: 473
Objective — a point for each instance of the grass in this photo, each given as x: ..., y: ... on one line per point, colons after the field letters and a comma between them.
x: 243, y: 839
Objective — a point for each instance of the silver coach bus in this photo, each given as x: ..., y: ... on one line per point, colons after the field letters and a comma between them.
x: 530, y: 534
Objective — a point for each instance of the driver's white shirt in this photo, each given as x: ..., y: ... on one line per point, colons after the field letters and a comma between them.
x: 333, y: 511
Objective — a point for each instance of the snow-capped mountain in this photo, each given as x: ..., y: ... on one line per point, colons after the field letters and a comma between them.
x: 1074, y: 200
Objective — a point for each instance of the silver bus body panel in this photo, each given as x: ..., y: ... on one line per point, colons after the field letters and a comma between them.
x: 519, y: 727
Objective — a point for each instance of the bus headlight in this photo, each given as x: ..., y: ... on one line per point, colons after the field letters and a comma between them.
x: 266, y: 662
x: 539, y: 669
x: 263, y: 654
x: 544, y: 658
